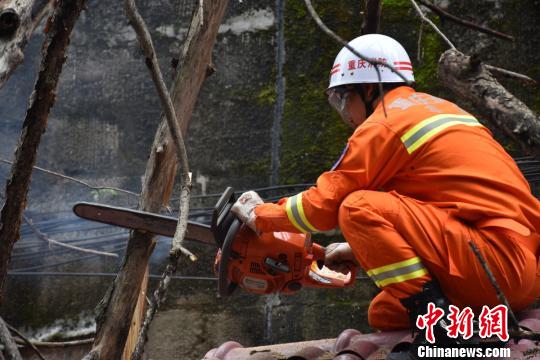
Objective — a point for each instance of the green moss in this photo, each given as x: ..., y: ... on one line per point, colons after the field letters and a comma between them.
x: 267, y: 95
x: 394, y: 11
x: 426, y: 72
x: 312, y: 135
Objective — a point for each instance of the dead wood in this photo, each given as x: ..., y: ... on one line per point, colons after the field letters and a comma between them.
x: 42, y: 99
x: 18, y: 20
x: 25, y: 341
x: 472, y: 82
x: 372, y: 15
x: 57, y: 344
x: 10, y: 347
x: 114, y: 322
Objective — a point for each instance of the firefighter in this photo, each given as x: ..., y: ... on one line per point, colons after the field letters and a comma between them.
x: 417, y: 181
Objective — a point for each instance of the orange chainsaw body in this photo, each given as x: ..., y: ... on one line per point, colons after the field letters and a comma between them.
x: 269, y: 262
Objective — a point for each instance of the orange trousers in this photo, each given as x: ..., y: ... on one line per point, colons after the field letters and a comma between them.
x: 402, y: 243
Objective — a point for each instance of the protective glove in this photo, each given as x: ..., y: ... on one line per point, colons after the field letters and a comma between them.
x: 244, y: 208
x: 339, y: 257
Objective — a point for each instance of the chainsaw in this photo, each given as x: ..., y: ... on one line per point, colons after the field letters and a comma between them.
x: 265, y: 263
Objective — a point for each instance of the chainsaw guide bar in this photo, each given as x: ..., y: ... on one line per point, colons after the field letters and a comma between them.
x: 142, y: 221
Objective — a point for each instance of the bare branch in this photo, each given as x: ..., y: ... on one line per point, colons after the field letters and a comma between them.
x: 426, y: 19
x: 44, y: 237
x: 469, y: 24
x: 10, y: 347
x: 504, y: 72
x: 35, y: 123
x: 57, y: 344
x: 65, y: 177
x: 145, y: 41
x: 516, y: 332
x: 340, y: 40
x: 25, y: 341
x: 513, y: 321
x: 507, y: 73
x: 469, y: 80
x: 117, y: 313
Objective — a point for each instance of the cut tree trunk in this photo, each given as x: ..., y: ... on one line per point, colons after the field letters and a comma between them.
x: 42, y: 99
x: 114, y: 322
x: 18, y: 20
x: 472, y: 82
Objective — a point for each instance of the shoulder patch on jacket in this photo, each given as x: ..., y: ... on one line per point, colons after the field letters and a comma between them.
x: 336, y: 164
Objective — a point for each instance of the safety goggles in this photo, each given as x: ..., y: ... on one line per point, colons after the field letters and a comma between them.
x: 337, y: 98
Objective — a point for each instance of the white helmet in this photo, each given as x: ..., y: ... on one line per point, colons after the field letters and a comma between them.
x: 350, y: 69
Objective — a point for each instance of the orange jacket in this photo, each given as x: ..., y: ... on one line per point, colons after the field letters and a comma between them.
x: 425, y: 148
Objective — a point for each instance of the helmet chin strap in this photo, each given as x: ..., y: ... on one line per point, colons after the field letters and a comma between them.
x: 367, y: 103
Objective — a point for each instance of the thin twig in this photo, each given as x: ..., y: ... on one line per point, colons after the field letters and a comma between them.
x: 58, y: 344
x: 426, y: 19
x: 516, y: 332
x: 419, y: 52
x: 513, y: 321
x: 340, y: 40
x: 44, y: 237
x: 524, y: 78
x: 373, y: 62
x: 65, y: 177
x: 147, y: 47
x: 504, y: 72
x: 469, y: 24
x: 25, y: 341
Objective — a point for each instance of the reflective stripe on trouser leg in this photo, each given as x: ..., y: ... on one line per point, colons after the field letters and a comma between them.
x: 397, y: 272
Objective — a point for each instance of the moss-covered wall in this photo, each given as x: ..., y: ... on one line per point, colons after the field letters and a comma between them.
x: 313, y: 134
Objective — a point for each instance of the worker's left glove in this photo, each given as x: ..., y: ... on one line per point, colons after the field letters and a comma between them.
x: 244, y: 208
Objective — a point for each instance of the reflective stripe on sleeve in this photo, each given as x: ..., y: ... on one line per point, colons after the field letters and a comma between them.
x: 426, y: 129
x: 398, y: 272
x: 296, y: 215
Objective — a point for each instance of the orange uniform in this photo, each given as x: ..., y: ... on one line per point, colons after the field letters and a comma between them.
x: 445, y: 181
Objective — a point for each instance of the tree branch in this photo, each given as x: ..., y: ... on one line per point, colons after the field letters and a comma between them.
x: 44, y: 237
x: 57, y: 344
x: 78, y: 181
x: 42, y: 99
x: 470, y: 81
x: 507, y: 73
x: 340, y: 40
x: 25, y: 341
x: 115, y: 319
x: 515, y: 332
x: 18, y: 20
x: 9, y: 344
x: 444, y: 14
x: 426, y: 19
x: 504, y: 72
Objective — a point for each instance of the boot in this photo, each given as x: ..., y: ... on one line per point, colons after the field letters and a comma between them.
x: 417, y: 305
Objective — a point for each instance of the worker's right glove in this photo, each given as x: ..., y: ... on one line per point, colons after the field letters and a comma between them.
x: 244, y: 208
x: 339, y: 257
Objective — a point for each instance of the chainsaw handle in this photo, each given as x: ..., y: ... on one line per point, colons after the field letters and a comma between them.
x: 325, y: 277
